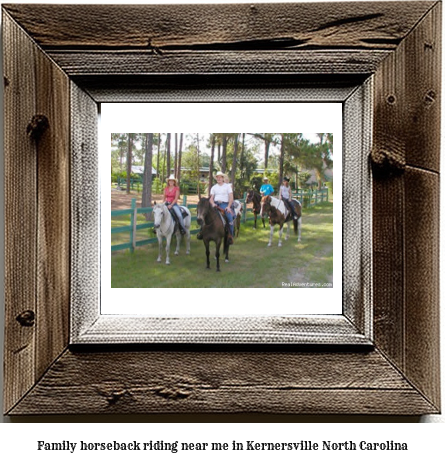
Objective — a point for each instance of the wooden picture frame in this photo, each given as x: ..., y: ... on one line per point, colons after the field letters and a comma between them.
x: 57, y: 70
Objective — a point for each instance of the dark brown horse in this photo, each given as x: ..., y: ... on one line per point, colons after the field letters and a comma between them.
x: 212, y: 229
x: 279, y: 214
x: 255, y: 197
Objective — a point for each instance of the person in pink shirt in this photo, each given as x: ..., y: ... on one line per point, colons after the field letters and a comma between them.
x: 171, y: 197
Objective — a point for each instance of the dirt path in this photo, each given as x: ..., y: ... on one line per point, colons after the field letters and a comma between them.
x: 298, y: 275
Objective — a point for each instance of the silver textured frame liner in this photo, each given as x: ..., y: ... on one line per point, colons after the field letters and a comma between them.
x: 354, y: 326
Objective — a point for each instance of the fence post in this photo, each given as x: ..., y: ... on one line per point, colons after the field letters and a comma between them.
x: 133, y: 225
x: 184, y: 200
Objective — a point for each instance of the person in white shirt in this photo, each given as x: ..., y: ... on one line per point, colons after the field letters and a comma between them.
x: 221, y: 195
x: 286, y: 197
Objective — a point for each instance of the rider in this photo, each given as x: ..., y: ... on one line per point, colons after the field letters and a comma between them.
x: 171, y: 197
x: 221, y: 195
x: 286, y: 197
x: 266, y: 188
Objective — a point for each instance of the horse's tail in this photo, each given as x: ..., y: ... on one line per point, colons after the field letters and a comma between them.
x: 297, y: 207
x: 295, y: 226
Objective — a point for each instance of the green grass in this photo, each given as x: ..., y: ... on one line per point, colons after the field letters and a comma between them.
x: 252, y: 263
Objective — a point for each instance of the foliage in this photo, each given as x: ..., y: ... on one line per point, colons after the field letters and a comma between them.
x: 287, y: 154
x: 158, y: 186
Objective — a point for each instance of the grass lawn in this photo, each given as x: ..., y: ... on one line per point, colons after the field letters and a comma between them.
x: 252, y: 263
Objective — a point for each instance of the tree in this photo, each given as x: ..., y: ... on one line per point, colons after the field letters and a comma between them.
x: 224, y: 153
x: 311, y: 156
x: 158, y: 154
x: 168, y: 143
x: 197, y: 165
x: 212, y: 157
x: 148, y: 169
x: 234, y: 160
x: 281, y: 164
x: 269, y: 139
x: 119, y: 141
x: 179, y: 157
x: 176, y: 155
x: 129, y: 160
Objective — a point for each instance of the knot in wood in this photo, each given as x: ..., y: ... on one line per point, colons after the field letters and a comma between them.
x: 172, y: 393
x: 26, y: 318
x: 37, y: 126
x: 387, y: 162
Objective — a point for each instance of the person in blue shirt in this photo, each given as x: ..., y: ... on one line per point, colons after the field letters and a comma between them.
x: 266, y: 188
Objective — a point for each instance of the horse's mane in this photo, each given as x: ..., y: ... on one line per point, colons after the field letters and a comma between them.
x: 160, y: 205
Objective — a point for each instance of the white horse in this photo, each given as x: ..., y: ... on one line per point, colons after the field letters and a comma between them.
x: 165, y: 226
x: 238, y: 209
x: 279, y: 214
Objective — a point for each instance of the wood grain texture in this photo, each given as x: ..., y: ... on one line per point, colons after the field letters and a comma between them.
x: 37, y: 195
x: 218, y: 87
x: 406, y: 206
x: 422, y: 190
x: 159, y: 27
x: 423, y: 91
x: 109, y: 329
x: 222, y: 382
x: 20, y: 213
x: 356, y: 213
x: 84, y: 204
x: 53, y: 228
x: 78, y: 63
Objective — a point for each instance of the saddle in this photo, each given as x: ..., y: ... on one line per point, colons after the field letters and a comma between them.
x: 222, y: 215
x: 295, y: 202
x: 184, y: 212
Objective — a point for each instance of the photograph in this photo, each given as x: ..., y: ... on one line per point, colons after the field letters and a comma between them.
x: 256, y: 207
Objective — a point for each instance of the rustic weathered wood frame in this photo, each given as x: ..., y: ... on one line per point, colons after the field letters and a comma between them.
x: 67, y: 62
x: 90, y: 323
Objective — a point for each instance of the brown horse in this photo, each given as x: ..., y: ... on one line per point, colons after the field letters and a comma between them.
x: 255, y: 197
x: 213, y: 229
x: 279, y: 214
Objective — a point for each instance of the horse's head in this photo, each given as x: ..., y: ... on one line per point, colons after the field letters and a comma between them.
x: 202, y: 210
x: 158, y: 214
x: 249, y: 197
x: 265, y: 205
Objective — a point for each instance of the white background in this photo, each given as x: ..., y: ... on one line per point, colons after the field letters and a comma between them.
x: 223, y: 117
x: 18, y: 442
